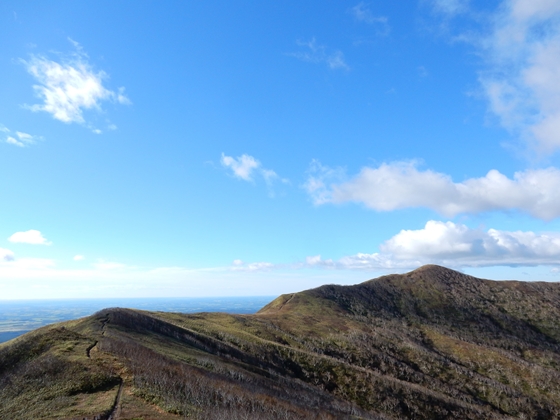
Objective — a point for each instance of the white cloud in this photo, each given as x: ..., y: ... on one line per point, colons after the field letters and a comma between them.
x: 24, y: 136
x: 70, y: 86
x: 239, y: 265
x: 360, y: 261
x: 318, y: 178
x: 242, y: 167
x: 22, y: 140
x: 452, y: 245
x: 269, y: 176
x: 246, y: 167
x: 11, y: 140
x: 314, y: 53
x: 522, y: 53
x: 32, y: 236
x: 6, y: 255
x: 363, y: 13
x: 78, y: 258
x: 313, y: 260
x: 27, y: 139
x: 437, y: 239
x: 402, y: 185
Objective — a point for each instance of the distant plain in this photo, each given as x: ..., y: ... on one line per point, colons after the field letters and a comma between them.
x: 20, y: 316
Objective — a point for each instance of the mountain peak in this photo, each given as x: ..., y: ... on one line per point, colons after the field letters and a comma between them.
x: 433, y: 271
x: 433, y: 268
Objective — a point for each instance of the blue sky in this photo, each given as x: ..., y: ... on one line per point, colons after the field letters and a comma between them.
x: 232, y: 148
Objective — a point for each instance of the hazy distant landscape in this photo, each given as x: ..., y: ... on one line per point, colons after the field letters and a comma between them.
x: 18, y: 317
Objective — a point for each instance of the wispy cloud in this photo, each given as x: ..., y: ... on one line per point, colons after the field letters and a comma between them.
x: 246, y: 167
x: 522, y: 53
x: 402, y: 185
x: 363, y: 13
x: 70, y: 86
x: 450, y: 7
x: 312, y: 52
x: 360, y: 261
x: 11, y: 140
x: 518, y: 42
x: 242, y: 167
x: 319, y: 180
x: 422, y: 71
x: 33, y: 237
x: 18, y: 138
x: 239, y: 265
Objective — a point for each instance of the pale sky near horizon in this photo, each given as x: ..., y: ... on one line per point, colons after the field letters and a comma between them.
x: 240, y: 148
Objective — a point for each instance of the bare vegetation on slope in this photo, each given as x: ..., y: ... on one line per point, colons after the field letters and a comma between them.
x: 429, y: 344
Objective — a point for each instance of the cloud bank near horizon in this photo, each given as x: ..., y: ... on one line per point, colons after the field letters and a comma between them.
x: 453, y: 245
x: 444, y: 243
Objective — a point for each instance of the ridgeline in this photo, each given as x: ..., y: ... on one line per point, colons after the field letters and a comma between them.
x: 430, y: 344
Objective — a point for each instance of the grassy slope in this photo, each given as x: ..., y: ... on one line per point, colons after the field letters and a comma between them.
x: 432, y: 343
x: 47, y: 374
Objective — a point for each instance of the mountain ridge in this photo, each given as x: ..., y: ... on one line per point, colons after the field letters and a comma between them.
x: 427, y: 293
x: 433, y: 343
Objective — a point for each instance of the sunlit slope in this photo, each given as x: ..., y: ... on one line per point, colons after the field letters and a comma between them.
x: 75, y: 369
x: 488, y: 343
x: 429, y: 344
x: 437, y: 295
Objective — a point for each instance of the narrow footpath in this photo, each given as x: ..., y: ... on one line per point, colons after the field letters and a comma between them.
x: 116, y: 413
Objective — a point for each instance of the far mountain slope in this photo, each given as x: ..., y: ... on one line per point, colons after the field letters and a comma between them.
x: 440, y: 296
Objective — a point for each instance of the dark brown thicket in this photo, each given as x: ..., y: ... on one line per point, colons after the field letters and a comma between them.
x: 226, y: 392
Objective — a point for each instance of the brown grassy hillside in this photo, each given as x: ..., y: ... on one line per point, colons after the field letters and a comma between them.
x: 429, y: 344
